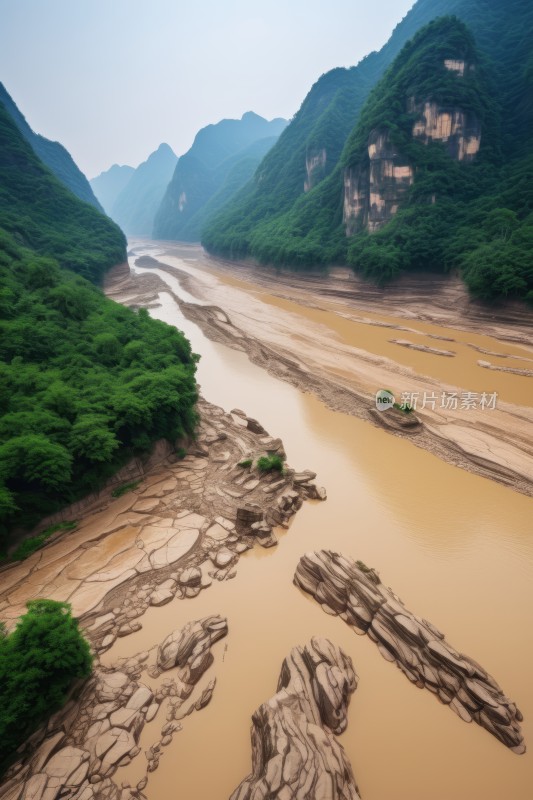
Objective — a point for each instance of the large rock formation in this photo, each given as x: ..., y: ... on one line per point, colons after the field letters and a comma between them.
x: 294, y: 750
x: 354, y: 592
x: 375, y: 187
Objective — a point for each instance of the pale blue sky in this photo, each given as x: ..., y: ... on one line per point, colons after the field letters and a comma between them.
x: 111, y: 79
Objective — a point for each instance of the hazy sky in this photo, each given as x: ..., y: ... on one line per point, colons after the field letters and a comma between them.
x: 112, y: 79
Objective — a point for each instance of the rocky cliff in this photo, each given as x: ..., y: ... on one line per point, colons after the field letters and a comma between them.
x: 376, y: 185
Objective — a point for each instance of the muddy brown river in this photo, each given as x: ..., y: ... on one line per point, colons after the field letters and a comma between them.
x: 456, y: 547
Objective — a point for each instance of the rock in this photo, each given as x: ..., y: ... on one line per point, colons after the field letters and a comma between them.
x: 223, y: 558
x: 190, y: 648
x: 192, y: 576
x: 66, y: 763
x: 151, y: 712
x: 248, y: 514
x: 304, y: 477
x: 110, y: 686
x: 295, y: 754
x: 113, y: 746
x: 142, y: 696
x: 206, y: 695
x: 355, y: 592
x: 218, y: 532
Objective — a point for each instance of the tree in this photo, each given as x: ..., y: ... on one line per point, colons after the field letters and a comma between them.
x: 39, y: 661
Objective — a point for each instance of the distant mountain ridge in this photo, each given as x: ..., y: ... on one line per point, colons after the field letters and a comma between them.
x: 136, y: 204
x: 206, y: 168
x: 53, y: 154
x: 108, y: 185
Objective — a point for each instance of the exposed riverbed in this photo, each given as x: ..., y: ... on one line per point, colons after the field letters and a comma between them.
x: 457, y: 547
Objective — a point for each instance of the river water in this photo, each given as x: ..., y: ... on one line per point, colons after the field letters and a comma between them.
x: 458, y: 550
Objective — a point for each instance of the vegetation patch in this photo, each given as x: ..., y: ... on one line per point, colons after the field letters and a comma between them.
x: 30, y: 545
x: 118, y: 491
x: 271, y: 462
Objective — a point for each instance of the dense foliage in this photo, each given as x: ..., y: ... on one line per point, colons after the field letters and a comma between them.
x: 52, y: 154
x: 84, y: 382
x: 205, y: 169
x: 273, y: 221
x: 39, y: 661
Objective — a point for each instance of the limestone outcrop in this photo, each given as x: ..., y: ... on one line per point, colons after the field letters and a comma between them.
x: 295, y: 753
x: 355, y: 592
x: 375, y: 187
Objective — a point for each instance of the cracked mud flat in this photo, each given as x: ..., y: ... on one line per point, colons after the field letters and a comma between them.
x: 496, y: 443
x: 182, y: 528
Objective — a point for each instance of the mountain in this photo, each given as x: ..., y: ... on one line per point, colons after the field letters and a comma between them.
x: 52, y: 154
x: 203, y: 171
x: 136, y: 205
x: 403, y: 195
x: 85, y: 383
x: 108, y: 185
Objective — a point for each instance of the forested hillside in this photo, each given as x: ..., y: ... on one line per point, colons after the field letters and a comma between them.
x: 471, y: 214
x: 85, y: 383
x: 53, y: 154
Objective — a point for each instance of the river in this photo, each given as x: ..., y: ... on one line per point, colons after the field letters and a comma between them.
x: 456, y: 547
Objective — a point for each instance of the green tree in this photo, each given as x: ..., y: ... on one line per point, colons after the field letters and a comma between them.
x: 39, y: 661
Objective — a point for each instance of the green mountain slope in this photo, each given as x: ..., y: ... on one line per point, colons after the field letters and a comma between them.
x: 84, y: 382
x: 311, y: 228
x: 136, y: 206
x: 108, y: 185
x: 52, y: 154
x: 201, y: 173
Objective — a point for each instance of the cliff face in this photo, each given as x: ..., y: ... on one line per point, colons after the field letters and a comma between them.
x: 315, y: 167
x: 375, y: 186
x: 374, y: 189
x: 458, y: 130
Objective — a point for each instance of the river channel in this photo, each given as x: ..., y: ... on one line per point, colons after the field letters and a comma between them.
x: 456, y: 547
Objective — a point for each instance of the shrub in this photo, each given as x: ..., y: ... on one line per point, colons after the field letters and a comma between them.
x: 269, y: 463
x: 246, y: 463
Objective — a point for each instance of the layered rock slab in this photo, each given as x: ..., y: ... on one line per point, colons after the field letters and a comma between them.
x: 355, y: 592
x: 295, y: 753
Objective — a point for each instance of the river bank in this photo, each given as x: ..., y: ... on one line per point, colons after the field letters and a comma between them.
x: 181, y: 527
x: 345, y: 363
